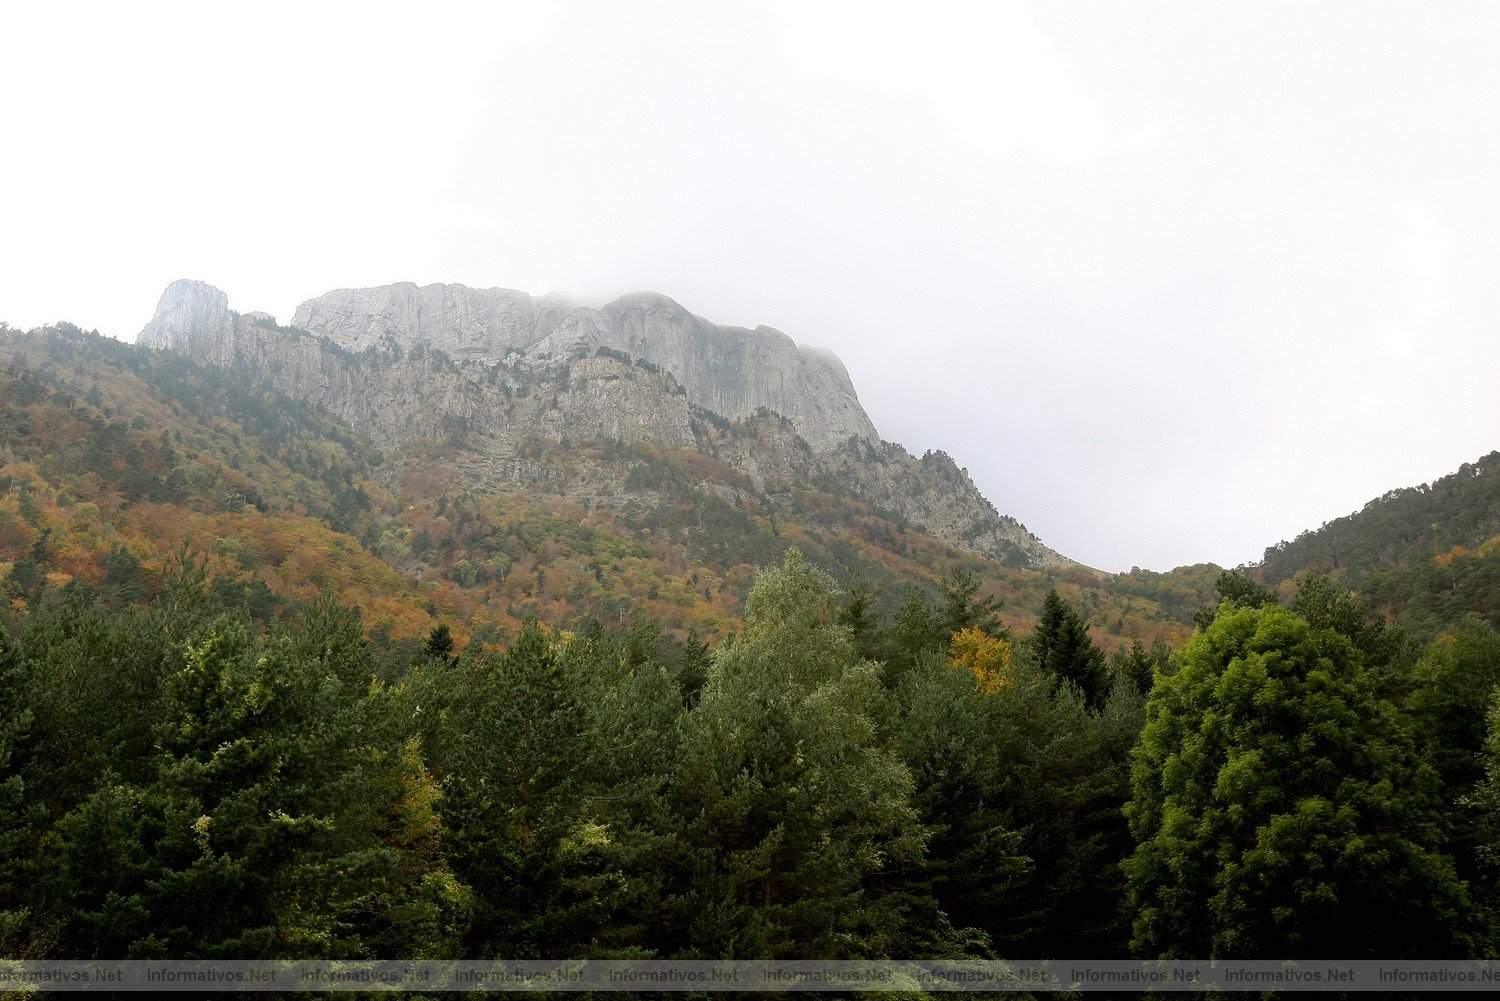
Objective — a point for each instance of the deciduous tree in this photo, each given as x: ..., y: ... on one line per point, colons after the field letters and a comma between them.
x: 1281, y: 808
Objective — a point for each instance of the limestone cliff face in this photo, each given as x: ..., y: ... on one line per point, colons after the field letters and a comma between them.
x: 195, y: 318
x: 734, y: 371
x: 464, y: 323
x: 935, y: 494
x: 729, y: 370
x: 486, y: 372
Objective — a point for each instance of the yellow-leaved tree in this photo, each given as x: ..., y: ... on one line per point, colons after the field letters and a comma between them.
x: 986, y: 657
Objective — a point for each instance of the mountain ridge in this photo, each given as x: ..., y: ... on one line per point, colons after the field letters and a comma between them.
x: 523, y: 373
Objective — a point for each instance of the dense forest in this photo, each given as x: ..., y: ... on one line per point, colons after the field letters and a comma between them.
x: 265, y: 692
x: 1300, y: 780
x: 1424, y: 556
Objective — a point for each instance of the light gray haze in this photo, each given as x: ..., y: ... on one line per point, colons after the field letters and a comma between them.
x: 1174, y: 281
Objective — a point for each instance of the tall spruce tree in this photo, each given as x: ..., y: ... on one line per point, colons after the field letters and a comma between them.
x: 1022, y: 792
x: 1239, y: 591
x: 1481, y: 825
x: 263, y: 819
x: 964, y: 609
x: 631, y: 692
x: 858, y: 613
x: 915, y: 629
x: 16, y: 835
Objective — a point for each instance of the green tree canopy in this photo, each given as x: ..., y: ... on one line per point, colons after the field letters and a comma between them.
x: 1282, y: 809
x: 790, y: 805
x: 964, y: 609
x: 1239, y: 591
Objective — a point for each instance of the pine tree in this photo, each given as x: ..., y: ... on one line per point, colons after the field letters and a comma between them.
x: 266, y: 819
x: 916, y: 629
x: 16, y: 829
x: 1022, y: 791
x: 1139, y: 665
x: 1239, y: 591
x: 858, y: 613
x: 612, y: 895
x: 1481, y: 825
x: 440, y: 643
x: 508, y: 752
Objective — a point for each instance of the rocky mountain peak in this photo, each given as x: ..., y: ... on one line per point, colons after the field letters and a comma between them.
x: 464, y: 323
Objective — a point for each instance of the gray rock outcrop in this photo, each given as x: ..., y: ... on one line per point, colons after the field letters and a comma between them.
x: 464, y: 323
x: 195, y: 318
x: 732, y: 371
x: 423, y: 396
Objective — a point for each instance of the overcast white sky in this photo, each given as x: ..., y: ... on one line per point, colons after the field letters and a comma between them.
x: 1173, y: 281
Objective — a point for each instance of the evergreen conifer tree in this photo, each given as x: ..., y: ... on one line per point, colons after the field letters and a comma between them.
x: 1061, y: 646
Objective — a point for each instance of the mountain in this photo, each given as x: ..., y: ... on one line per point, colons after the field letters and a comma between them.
x: 495, y: 375
x: 273, y: 660
x: 267, y: 592
x: 542, y: 469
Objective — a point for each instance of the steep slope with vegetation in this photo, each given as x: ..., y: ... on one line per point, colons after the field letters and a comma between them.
x: 1461, y: 509
x: 500, y: 394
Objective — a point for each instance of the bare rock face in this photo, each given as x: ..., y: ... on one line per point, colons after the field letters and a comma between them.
x: 933, y: 492
x: 464, y: 323
x: 195, y: 318
x: 416, y: 395
x: 606, y: 399
x: 729, y: 370
x: 735, y: 372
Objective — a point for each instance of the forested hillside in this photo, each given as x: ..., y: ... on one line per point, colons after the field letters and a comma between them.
x: 1461, y: 509
x: 1424, y: 556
